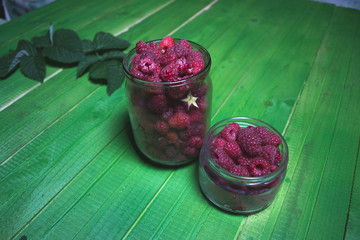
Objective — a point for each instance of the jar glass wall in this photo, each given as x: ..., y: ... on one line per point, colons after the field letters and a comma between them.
x: 234, y: 193
x: 169, y: 119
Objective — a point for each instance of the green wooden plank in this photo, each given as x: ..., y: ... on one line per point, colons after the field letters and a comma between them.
x: 297, y: 205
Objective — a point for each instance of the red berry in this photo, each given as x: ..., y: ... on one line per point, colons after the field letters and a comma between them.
x: 166, y: 43
x: 195, y: 141
x: 240, y: 170
x: 243, y: 161
x: 161, y: 127
x: 179, y: 120
x: 259, y: 167
x: 172, y: 137
x: 169, y: 73
x: 263, y: 133
x: 232, y: 149
x: 196, y: 116
x: 248, y: 141
x: 278, y: 157
x: 218, y: 143
x: 275, y: 140
x: 185, y: 44
x: 190, y: 151
x: 229, y: 133
x: 223, y: 159
x: 157, y: 103
x: 268, y: 152
x: 141, y: 47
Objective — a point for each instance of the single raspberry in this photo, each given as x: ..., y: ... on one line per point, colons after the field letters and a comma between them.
x: 172, y: 137
x: 161, y: 127
x: 275, y: 140
x: 259, y: 167
x: 166, y: 43
x: 180, y: 50
x: 141, y: 47
x: 195, y: 67
x: 200, y: 90
x: 171, y: 151
x: 240, y: 170
x: 185, y: 43
x: 195, y: 141
x: 223, y: 159
x: 278, y: 157
x: 157, y: 103
x: 273, y: 167
x: 248, y: 141
x: 202, y: 103
x: 153, y: 48
x: 190, y: 151
x: 229, y: 132
x: 263, y: 133
x: 169, y: 73
x: 182, y: 66
x: 218, y: 143
x: 194, y: 129
x: 268, y: 152
x: 167, y: 113
x: 168, y: 57
x: 179, y: 120
x: 147, y: 65
x: 196, y: 116
x: 243, y: 161
x: 195, y: 55
x: 232, y: 149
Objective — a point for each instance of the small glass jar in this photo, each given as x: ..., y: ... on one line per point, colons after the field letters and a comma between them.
x: 152, y: 105
x: 234, y: 193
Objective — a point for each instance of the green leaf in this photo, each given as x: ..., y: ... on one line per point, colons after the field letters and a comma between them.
x: 87, y: 46
x: 110, y: 70
x: 103, y: 41
x: 27, y: 46
x: 113, y: 54
x: 86, y: 63
x: 41, y: 42
x: 33, y: 67
x: 5, y: 62
x: 67, y: 47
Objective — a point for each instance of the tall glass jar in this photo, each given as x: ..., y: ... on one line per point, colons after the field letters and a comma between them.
x: 234, y: 193
x: 169, y: 119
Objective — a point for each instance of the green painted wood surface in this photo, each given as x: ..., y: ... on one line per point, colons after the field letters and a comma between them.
x: 69, y: 168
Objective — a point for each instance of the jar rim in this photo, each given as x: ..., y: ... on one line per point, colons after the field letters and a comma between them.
x: 128, y: 58
x: 235, y: 177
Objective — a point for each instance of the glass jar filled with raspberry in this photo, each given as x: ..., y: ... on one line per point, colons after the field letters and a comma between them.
x: 169, y: 90
x: 243, y: 163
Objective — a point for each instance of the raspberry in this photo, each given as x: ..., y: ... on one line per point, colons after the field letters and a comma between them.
x: 195, y: 141
x: 157, y: 103
x: 171, y: 151
x: 190, y: 151
x: 141, y: 47
x: 196, y: 116
x: 273, y: 167
x: 166, y: 43
x: 182, y: 66
x: 275, y: 140
x: 195, y: 67
x: 263, y: 133
x: 185, y: 44
x: 249, y: 141
x: 202, y: 103
x: 218, y: 143
x: 147, y: 65
x: 232, y: 149
x: 229, y: 133
x: 180, y: 50
x: 169, y: 73
x: 193, y: 130
x: 243, y: 161
x: 161, y: 127
x: 223, y: 159
x: 278, y: 157
x: 200, y: 90
x: 153, y: 48
x: 268, y: 152
x: 168, y: 57
x: 172, y: 137
x: 179, y: 120
x: 259, y: 167
x: 240, y: 170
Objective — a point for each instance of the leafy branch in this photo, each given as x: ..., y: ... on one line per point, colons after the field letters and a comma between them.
x: 102, y: 57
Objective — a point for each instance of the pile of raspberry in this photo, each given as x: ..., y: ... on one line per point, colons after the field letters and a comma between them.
x: 248, y: 152
x: 171, y: 120
x: 168, y: 62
